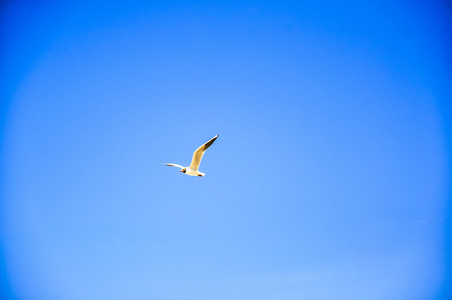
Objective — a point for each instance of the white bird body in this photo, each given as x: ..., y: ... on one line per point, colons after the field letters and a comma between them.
x: 192, y: 170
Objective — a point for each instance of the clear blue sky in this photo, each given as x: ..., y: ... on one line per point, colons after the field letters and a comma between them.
x: 330, y: 178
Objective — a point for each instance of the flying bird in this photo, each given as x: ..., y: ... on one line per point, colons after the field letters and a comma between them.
x: 192, y: 170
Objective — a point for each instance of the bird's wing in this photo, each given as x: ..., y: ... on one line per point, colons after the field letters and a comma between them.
x: 197, y: 155
x: 174, y: 165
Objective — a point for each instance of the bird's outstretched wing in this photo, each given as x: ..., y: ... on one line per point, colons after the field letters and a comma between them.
x: 174, y: 165
x: 197, y: 155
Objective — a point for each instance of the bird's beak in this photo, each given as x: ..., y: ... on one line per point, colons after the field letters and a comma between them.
x: 180, y: 170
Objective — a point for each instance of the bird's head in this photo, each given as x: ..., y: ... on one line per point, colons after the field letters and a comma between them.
x: 183, y: 170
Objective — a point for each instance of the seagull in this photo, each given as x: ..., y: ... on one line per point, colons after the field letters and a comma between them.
x: 192, y: 170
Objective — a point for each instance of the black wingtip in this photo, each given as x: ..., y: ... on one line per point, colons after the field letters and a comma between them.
x: 210, y: 142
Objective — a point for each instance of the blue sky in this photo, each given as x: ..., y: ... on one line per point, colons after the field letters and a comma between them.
x: 330, y: 178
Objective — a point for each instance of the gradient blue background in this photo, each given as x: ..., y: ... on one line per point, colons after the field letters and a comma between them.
x: 330, y: 178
